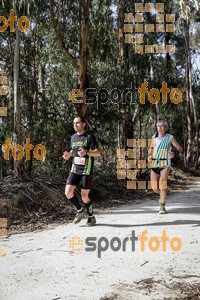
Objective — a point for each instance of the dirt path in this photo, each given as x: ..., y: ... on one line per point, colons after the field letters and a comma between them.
x: 42, y: 266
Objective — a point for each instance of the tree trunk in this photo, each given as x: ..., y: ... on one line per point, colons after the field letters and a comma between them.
x: 167, y: 39
x: 192, y: 155
x: 81, y: 64
x: 121, y: 106
x: 16, y: 96
x: 82, y: 74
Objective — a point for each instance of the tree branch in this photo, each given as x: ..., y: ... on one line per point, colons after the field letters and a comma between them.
x: 60, y: 39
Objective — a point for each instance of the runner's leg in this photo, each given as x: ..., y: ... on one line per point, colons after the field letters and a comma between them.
x: 87, y: 201
x: 69, y: 193
x: 86, y: 183
x: 85, y: 195
x: 154, y: 182
x: 72, y: 182
x: 163, y: 188
x: 163, y: 183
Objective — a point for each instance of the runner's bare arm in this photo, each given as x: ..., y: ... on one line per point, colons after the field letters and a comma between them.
x: 151, y: 149
x: 93, y: 153
x: 176, y: 145
x: 67, y: 155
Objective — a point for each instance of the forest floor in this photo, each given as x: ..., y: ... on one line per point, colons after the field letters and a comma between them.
x: 56, y: 261
x: 34, y: 203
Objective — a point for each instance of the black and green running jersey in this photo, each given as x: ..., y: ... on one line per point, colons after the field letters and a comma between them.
x: 82, y: 165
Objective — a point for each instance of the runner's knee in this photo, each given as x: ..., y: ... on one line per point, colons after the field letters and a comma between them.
x: 84, y: 195
x: 156, y: 190
x: 154, y: 185
x: 69, y: 193
x: 163, y: 184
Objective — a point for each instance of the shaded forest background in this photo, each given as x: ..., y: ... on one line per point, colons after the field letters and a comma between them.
x: 80, y: 44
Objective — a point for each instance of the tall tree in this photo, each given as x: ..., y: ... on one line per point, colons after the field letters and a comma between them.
x: 192, y: 155
x: 80, y: 62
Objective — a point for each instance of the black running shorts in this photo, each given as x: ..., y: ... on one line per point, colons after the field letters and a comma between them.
x: 75, y: 179
x: 157, y: 170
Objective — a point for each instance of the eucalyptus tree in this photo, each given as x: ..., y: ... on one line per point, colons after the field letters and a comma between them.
x: 188, y: 12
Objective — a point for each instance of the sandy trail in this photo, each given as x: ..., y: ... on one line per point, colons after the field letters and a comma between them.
x: 42, y: 266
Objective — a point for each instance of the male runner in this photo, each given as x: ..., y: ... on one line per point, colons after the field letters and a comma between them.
x: 83, y: 148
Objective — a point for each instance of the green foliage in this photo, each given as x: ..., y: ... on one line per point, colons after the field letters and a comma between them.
x: 46, y: 112
x: 17, y: 200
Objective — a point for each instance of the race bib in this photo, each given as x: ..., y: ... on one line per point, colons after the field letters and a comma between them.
x: 79, y: 160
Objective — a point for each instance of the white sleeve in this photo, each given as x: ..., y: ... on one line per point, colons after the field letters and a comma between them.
x: 170, y: 139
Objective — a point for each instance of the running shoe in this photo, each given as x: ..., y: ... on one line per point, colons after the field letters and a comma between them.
x: 162, y: 209
x: 79, y: 216
x: 91, y: 221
